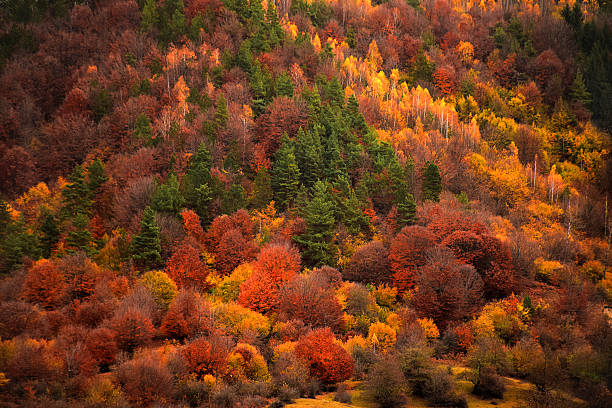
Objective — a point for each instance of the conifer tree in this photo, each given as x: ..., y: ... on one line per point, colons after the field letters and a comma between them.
x: 16, y: 244
x: 233, y: 199
x: 143, y: 129
x: 146, y: 246
x: 79, y: 238
x: 334, y: 165
x: 406, y: 210
x: 150, y: 16
x: 167, y: 196
x: 355, y: 118
x: 221, y: 114
x: 318, y: 213
x: 76, y: 194
x: 353, y: 217
x: 262, y: 189
x: 335, y: 93
x: 308, y: 155
x: 197, y: 182
x: 178, y: 26
x: 95, y: 176
x: 285, y: 174
x: 50, y: 234
x: 284, y: 86
x: 579, y: 92
x: 432, y: 182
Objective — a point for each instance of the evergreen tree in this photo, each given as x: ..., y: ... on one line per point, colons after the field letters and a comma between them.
x: 335, y: 93
x: 352, y: 215
x: 406, y: 210
x: 197, y: 182
x: 308, y: 155
x: 221, y: 114
x: 355, y: 118
x: 79, y: 238
x: 285, y: 174
x: 233, y: 199
x: 143, y: 130
x: 244, y: 58
x: 5, y: 217
x: 579, y: 92
x: 262, y: 189
x: 167, y: 196
x: 150, y: 16
x: 284, y: 85
x: 275, y: 31
x: 316, y: 243
x: 146, y: 246
x: 16, y: 244
x: 95, y: 176
x: 178, y: 26
x: 334, y: 165
x: 432, y: 182
x: 76, y: 194
x: 50, y: 234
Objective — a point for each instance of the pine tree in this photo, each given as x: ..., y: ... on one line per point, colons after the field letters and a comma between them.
x: 262, y: 189
x: 355, y: 118
x: 244, y: 58
x: 79, y: 238
x: 50, y: 234
x: 334, y: 165
x: 579, y: 92
x: 95, y: 176
x: 233, y: 199
x: 143, y: 130
x: 146, y: 246
x: 221, y: 114
x: 335, y: 93
x: 317, y: 244
x: 308, y: 155
x: 16, y: 244
x: 150, y: 16
x: 432, y: 182
x: 352, y: 215
x: 197, y: 182
x: 284, y: 85
x: 285, y: 174
x: 167, y: 196
x: 76, y: 194
x: 178, y: 26
x: 406, y: 210
x: 5, y: 217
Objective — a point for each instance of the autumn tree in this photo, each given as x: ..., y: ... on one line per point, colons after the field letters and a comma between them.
x: 369, y: 264
x: 132, y: 329
x: 407, y: 254
x: 188, y: 316
x: 205, y: 358
x: 197, y: 184
x: 312, y: 300
x: 327, y: 360
x: 44, y: 284
x: 186, y: 268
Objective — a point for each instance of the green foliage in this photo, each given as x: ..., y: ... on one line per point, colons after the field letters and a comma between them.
x: 285, y: 174
x: 150, y: 16
x: 579, y: 92
x: 309, y: 156
x: 167, y: 196
x: 143, y: 130
x: 197, y: 183
x: 95, y: 176
x: 79, y: 238
x: 16, y: 242
x: 262, y: 189
x: 76, y: 194
x: 50, y: 233
x: 101, y: 104
x: 318, y: 213
x: 284, y: 85
x: 432, y: 182
x: 146, y: 246
x: 233, y: 199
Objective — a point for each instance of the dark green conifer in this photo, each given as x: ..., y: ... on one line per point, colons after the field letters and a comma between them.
x: 262, y: 189
x: 432, y: 182
x: 308, y: 155
x: 167, y: 196
x: 146, y: 246
x: 285, y: 174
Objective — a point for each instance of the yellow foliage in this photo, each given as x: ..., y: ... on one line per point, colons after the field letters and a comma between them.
x: 286, y: 347
x: 245, y: 362
x: 545, y: 269
x: 228, y: 288
x: 429, y: 328
x: 381, y: 336
x: 237, y: 320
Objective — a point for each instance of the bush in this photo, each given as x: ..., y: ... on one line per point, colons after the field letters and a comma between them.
x: 386, y: 383
x: 161, y: 286
x: 292, y: 371
x: 327, y: 361
x: 144, y: 380
x: 439, y: 389
x: 343, y: 395
x: 489, y: 384
x: 224, y: 397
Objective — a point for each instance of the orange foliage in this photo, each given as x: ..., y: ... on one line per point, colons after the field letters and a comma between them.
x: 192, y: 225
x: 186, y: 268
x: 326, y: 359
x: 204, y: 358
x: 44, y: 284
x: 132, y: 329
x: 407, y: 253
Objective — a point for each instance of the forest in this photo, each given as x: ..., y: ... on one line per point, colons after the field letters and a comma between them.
x: 305, y: 203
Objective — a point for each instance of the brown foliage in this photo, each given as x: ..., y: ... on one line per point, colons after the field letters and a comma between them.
x: 132, y: 329
x: 369, y: 264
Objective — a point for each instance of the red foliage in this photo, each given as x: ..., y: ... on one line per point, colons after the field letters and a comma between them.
x: 81, y: 275
x: 443, y: 79
x: 311, y: 300
x: 369, y: 264
x: 102, y: 345
x: 546, y: 65
x: 279, y: 261
x: 17, y: 170
x: 44, y: 284
x: 240, y: 220
x: 446, y: 289
x: 187, y: 316
x: 186, y: 268
x: 283, y: 115
x: 132, y: 329
x: 327, y: 360
x: 203, y: 357
x: 233, y: 250
x: 192, y: 225
x: 407, y: 253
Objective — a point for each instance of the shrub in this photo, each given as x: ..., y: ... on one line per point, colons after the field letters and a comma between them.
x: 132, y: 330
x: 381, y: 336
x: 489, y: 384
x: 386, y: 383
x: 438, y: 389
x: 187, y: 317
x: 44, y: 285
x: 102, y: 345
x: 204, y: 358
x: 144, y: 380
x: 343, y: 395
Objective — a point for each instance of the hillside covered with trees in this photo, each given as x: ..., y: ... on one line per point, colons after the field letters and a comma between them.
x: 239, y: 203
